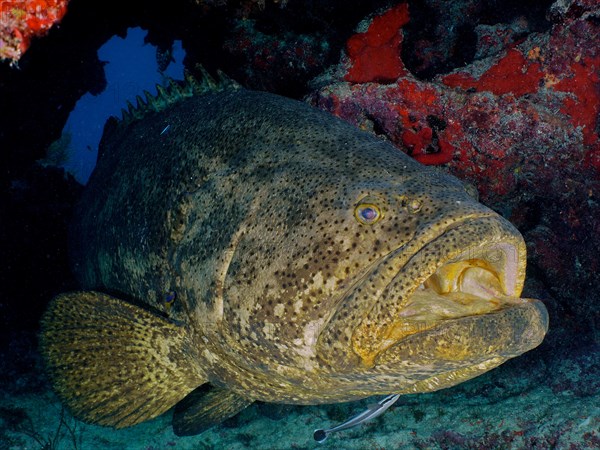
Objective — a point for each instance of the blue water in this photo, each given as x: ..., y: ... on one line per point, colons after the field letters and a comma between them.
x: 130, y: 69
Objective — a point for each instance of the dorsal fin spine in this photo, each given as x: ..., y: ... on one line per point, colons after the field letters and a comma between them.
x: 140, y: 103
x: 174, y: 92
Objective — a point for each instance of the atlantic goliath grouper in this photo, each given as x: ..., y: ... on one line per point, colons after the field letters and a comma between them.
x: 236, y: 246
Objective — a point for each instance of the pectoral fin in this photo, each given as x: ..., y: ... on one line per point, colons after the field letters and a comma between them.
x: 205, y: 407
x: 114, y: 363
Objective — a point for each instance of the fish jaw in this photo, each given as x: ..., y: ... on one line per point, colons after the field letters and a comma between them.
x: 460, y: 349
x: 472, y: 271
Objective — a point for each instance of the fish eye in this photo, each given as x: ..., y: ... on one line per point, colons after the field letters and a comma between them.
x: 169, y: 299
x: 367, y: 213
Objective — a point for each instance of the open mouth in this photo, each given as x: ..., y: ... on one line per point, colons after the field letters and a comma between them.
x: 478, y: 281
x: 464, y: 311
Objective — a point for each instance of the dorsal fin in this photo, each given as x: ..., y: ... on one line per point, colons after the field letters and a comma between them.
x: 175, y: 91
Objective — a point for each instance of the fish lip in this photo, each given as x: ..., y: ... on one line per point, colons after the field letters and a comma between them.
x: 513, y: 331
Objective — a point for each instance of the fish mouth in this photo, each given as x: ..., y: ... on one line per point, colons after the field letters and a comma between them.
x: 478, y: 281
x: 472, y: 269
x: 462, y: 310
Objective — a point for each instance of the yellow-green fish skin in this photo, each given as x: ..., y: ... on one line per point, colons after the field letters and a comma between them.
x: 249, y: 209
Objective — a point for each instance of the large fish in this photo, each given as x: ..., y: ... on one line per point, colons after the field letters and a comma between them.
x: 237, y: 246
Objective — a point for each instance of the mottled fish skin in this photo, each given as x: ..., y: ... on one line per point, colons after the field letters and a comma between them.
x: 246, y: 209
